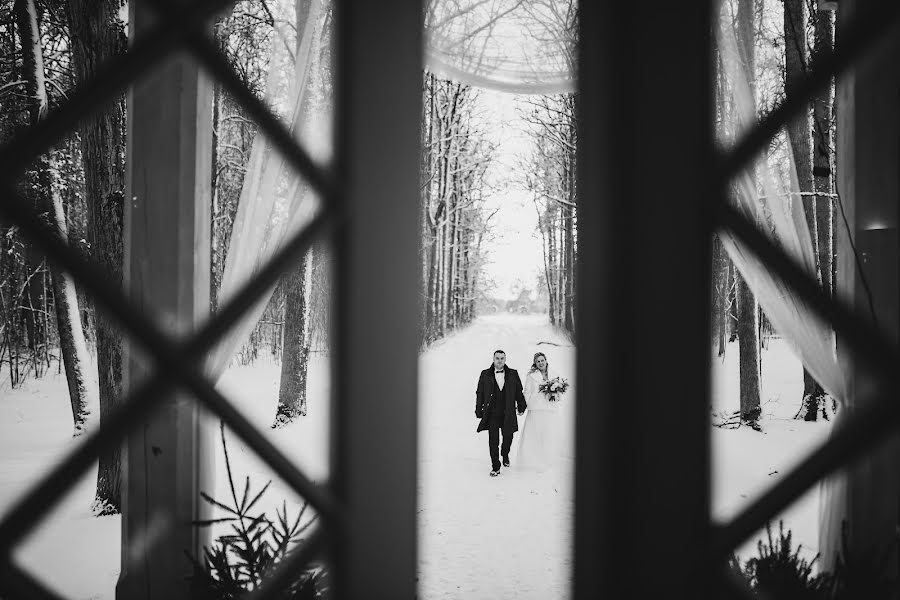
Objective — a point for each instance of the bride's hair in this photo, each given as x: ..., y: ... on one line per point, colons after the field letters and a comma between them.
x: 534, y: 362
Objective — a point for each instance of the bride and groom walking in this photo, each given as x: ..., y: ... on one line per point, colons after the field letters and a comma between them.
x: 500, y: 397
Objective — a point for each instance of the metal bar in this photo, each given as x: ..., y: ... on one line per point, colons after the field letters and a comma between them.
x: 21, y: 150
x: 640, y: 363
x: 16, y: 582
x: 20, y: 519
x: 379, y: 95
x: 868, y: 30
x: 275, y: 131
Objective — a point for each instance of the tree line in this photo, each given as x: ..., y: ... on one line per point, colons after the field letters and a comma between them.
x: 455, y: 158
x: 550, y: 173
x: 47, y: 50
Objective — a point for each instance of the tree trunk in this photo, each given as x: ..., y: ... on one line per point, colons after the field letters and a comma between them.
x: 456, y: 254
x: 451, y: 249
x: 468, y: 292
x: 33, y: 75
x: 823, y: 106
x: 570, y: 226
x: 431, y: 281
x: 214, y: 282
x: 561, y: 266
x: 822, y: 171
x: 427, y: 186
x: 570, y: 271
x: 318, y: 316
x: 295, y: 353
x: 800, y: 131
x: 72, y: 344
x: 551, y: 274
x: 97, y: 36
x: 748, y: 345
x: 545, y: 249
x: 748, y: 313
x: 295, y: 347
x: 720, y: 291
x: 731, y: 309
x: 439, y: 292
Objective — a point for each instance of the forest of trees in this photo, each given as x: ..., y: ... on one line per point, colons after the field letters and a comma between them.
x: 777, y: 41
x: 455, y: 159
x: 47, y: 49
x: 551, y: 178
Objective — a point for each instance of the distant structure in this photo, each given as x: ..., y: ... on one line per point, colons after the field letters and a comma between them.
x: 522, y: 304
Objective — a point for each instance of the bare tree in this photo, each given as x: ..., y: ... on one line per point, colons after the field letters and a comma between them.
x: 823, y: 157
x: 748, y: 309
x: 46, y: 195
x: 796, y: 19
x: 295, y: 350
x: 551, y: 179
x: 454, y: 163
x: 96, y: 37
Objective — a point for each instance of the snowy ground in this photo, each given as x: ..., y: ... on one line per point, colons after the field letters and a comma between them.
x: 479, y: 537
x: 483, y: 537
x: 745, y: 463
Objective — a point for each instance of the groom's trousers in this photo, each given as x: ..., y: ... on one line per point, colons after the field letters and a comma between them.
x: 494, y: 427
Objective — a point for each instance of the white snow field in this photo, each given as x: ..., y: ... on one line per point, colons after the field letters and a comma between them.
x: 480, y: 537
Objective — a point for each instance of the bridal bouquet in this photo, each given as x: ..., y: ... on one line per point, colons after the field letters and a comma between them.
x: 554, y: 386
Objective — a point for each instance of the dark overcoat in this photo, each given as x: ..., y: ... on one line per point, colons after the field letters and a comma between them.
x: 513, y: 397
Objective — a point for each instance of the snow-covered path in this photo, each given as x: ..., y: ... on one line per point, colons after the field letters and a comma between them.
x: 485, y: 537
x: 480, y: 537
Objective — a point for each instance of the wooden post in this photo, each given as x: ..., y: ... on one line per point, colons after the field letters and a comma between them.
x: 377, y: 289
x: 867, y: 494
x: 167, y: 276
x: 642, y: 427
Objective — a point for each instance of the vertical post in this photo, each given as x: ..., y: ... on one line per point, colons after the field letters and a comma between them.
x: 167, y: 276
x: 867, y: 494
x: 375, y: 375
x: 645, y: 181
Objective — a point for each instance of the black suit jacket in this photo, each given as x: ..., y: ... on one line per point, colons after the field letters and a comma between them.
x: 513, y: 398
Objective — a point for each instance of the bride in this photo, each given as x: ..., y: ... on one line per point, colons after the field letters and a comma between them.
x: 539, y: 440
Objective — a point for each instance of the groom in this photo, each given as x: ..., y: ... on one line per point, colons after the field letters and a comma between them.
x: 498, y: 394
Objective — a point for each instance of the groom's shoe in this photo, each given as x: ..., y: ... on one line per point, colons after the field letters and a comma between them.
x: 495, y: 473
x: 505, y: 461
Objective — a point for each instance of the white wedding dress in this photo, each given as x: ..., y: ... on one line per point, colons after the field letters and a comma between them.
x: 539, y: 447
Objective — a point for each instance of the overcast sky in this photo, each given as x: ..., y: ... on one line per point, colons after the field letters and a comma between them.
x: 515, y: 251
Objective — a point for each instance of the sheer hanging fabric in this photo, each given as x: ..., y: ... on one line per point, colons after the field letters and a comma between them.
x: 521, y: 46
x: 511, y: 45
x: 767, y: 193
x: 777, y: 210
x: 276, y: 202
